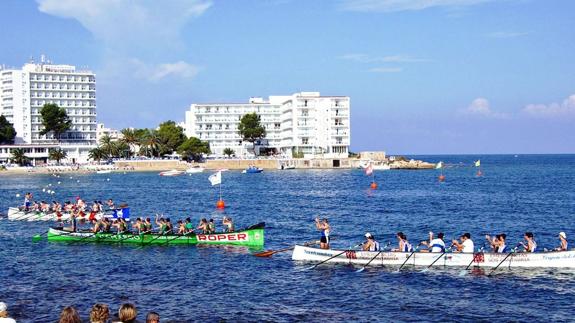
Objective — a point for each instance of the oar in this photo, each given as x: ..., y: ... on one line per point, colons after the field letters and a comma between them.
x: 411, y: 254
x: 27, y: 215
x: 178, y: 236
x: 502, y: 261
x: 436, y: 259
x: 154, y: 239
x: 269, y: 253
x: 372, y: 259
x: 330, y: 258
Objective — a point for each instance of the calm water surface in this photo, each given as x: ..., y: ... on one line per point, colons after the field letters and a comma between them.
x: 516, y: 194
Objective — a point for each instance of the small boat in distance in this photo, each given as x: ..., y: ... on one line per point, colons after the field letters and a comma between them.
x: 105, y: 171
x: 252, y: 170
x: 172, y: 172
x: 194, y: 170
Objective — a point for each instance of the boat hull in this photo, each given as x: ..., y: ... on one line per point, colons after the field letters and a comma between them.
x: 563, y: 259
x: 251, y: 237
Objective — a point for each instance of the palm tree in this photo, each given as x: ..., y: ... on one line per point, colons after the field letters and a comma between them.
x: 130, y: 137
x: 122, y: 149
x: 108, y: 146
x: 19, y: 156
x: 151, y: 143
x: 229, y: 152
x: 97, y: 154
x: 57, y: 154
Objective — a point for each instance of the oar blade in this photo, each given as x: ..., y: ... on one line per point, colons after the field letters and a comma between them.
x: 360, y: 270
x: 36, y: 238
x: 263, y: 254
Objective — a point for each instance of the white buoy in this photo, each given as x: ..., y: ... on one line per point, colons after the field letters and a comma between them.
x: 43, y: 190
x: 78, y: 181
x: 52, y: 192
x: 108, y: 179
x: 50, y: 184
x: 59, y: 183
x: 70, y: 177
x: 17, y: 194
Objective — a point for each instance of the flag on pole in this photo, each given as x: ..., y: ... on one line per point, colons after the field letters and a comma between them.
x: 369, y: 169
x: 439, y: 165
x: 216, y: 178
x: 478, y: 163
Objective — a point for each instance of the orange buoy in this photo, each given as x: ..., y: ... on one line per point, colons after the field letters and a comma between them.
x: 479, y: 173
x: 220, y: 204
x: 441, y: 178
x: 373, y: 185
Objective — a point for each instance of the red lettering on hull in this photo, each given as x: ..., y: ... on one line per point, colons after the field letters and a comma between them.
x: 223, y: 237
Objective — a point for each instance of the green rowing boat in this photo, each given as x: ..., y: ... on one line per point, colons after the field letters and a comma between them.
x: 252, y: 236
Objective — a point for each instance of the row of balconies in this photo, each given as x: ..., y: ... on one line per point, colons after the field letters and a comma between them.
x: 62, y: 78
x: 36, y: 94
x: 67, y: 95
x: 64, y: 104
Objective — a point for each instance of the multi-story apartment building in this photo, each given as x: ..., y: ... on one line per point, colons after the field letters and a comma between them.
x: 24, y: 91
x: 303, y: 122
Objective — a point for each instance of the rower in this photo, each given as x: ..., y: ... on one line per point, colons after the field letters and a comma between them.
x: 72, y: 227
x: 494, y: 242
x: 169, y: 226
x: 161, y: 223
x: 212, y: 226
x: 137, y: 226
x: 203, y: 226
x: 148, y: 224
x: 189, y: 226
x: 531, y: 245
x: 404, y: 245
x: 466, y: 245
x: 502, y: 248
x: 563, y: 239
x: 181, y: 227
x: 96, y: 226
x: 228, y: 224
x: 435, y: 245
x: 324, y: 227
x: 110, y: 204
x: 106, y: 225
x: 370, y: 244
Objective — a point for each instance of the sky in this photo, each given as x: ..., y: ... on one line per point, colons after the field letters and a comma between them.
x: 424, y: 76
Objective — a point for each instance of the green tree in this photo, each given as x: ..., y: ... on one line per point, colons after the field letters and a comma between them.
x: 97, y: 154
x: 7, y: 132
x: 250, y: 127
x: 57, y: 154
x: 129, y: 137
x: 55, y: 120
x: 193, y: 149
x: 19, y: 156
x: 108, y: 146
x: 150, y: 144
x: 122, y: 149
x: 171, y: 136
x: 229, y: 152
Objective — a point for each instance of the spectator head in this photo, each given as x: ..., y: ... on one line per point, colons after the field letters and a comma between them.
x: 3, y: 310
x: 127, y: 313
x: 69, y: 315
x: 99, y: 313
x: 153, y: 317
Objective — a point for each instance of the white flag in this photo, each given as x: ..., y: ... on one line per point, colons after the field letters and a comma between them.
x: 439, y: 165
x: 216, y: 178
x: 369, y: 170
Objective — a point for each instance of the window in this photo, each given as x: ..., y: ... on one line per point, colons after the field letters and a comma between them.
x: 304, y: 141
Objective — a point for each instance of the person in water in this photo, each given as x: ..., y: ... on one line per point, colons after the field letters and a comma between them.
x: 370, y: 243
x: 434, y: 244
x: 324, y: 227
x: 228, y: 224
x: 466, y: 245
x: 563, y: 239
x: 530, y: 245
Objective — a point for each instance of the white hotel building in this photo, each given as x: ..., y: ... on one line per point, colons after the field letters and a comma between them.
x: 24, y: 91
x: 306, y: 122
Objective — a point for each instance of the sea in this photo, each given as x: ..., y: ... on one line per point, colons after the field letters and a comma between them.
x: 515, y: 194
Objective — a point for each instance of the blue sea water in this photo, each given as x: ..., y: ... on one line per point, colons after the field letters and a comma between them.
x: 516, y: 194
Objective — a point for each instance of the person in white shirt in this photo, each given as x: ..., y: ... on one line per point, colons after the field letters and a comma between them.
x: 466, y: 244
x: 434, y: 245
x: 4, y: 314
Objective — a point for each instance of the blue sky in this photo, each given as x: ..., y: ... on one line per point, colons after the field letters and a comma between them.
x: 424, y: 77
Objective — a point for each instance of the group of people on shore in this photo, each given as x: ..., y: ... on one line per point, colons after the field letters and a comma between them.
x: 465, y: 244
x: 100, y: 313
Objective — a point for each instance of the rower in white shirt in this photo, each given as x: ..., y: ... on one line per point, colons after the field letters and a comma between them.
x: 466, y: 244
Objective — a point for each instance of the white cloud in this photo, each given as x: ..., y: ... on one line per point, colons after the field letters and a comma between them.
x: 481, y: 107
x: 403, y: 5
x: 386, y: 69
x: 564, y: 109
x: 143, y: 33
x: 505, y: 34
x: 364, y: 58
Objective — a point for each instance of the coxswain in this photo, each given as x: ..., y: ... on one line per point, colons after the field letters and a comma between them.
x: 563, y: 239
x: 370, y: 244
x: 228, y: 224
x: 435, y: 244
x: 212, y: 226
x: 204, y: 226
x: 189, y: 225
x: 531, y: 245
x: 181, y: 227
x: 324, y: 227
x: 466, y: 245
x: 72, y: 227
x: 27, y: 201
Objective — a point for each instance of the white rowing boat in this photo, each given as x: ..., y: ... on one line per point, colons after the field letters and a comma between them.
x: 555, y: 259
x: 194, y: 170
x: 15, y: 213
x: 172, y: 172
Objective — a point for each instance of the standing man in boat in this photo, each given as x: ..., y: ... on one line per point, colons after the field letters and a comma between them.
x: 531, y: 245
x: 370, y: 244
x: 324, y: 227
x: 27, y: 201
x: 466, y: 245
x: 563, y: 238
x: 228, y: 224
